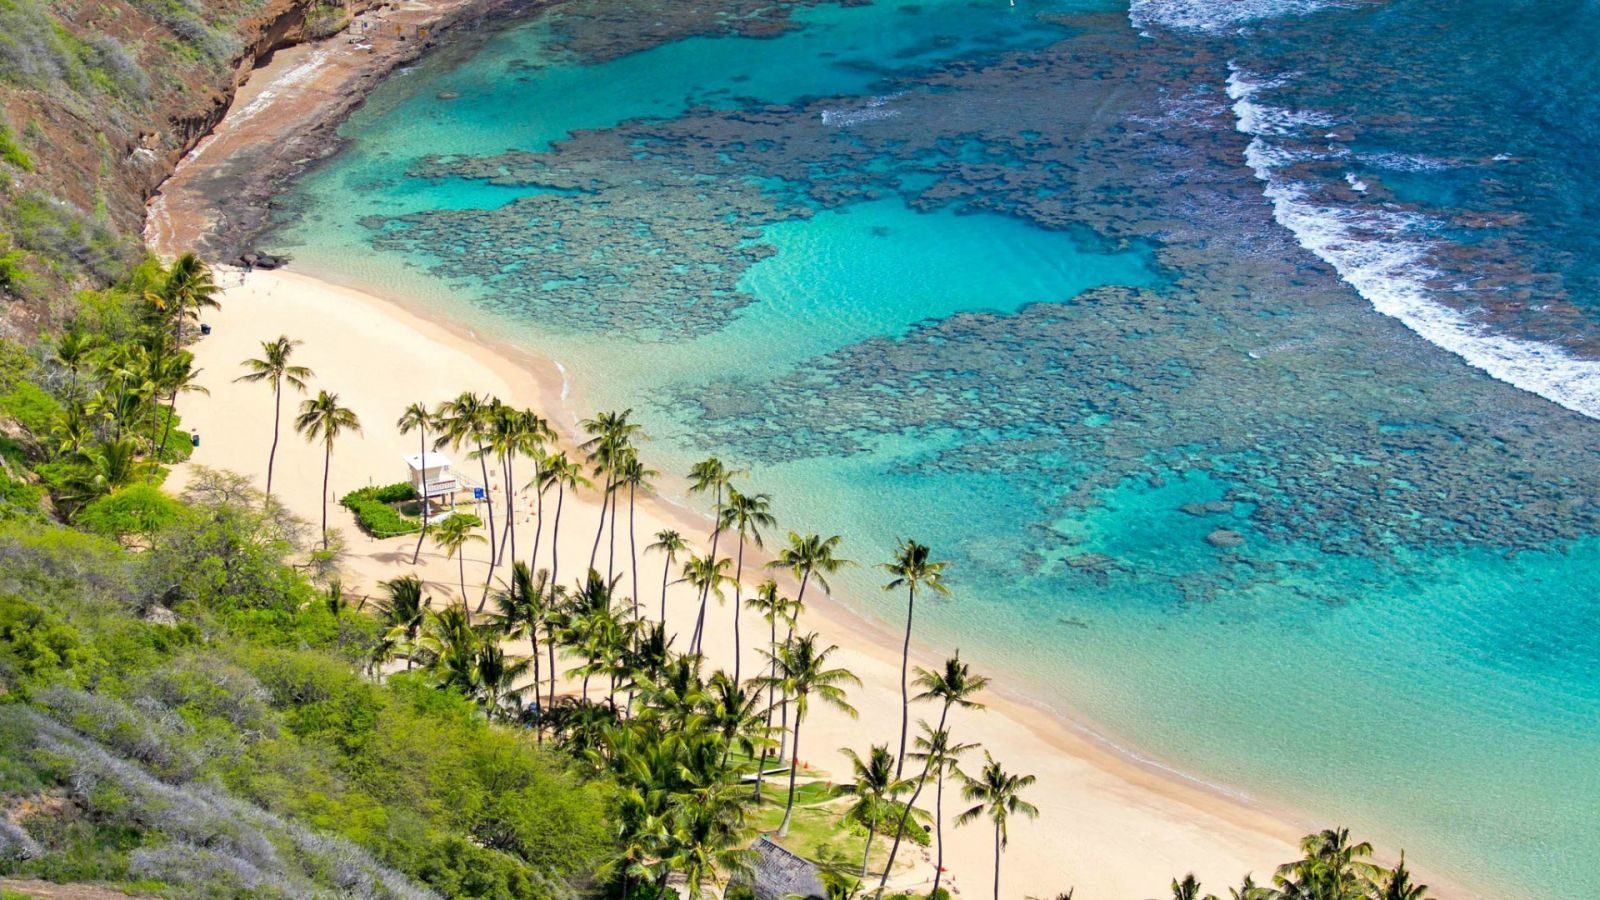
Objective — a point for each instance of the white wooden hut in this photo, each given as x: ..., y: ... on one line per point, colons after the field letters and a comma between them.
x: 432, y: 478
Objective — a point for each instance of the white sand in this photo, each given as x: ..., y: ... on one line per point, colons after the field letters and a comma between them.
x: 1108, y: 826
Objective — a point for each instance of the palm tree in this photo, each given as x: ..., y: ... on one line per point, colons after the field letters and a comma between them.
x: 452, y: 535
x: 809, y: 558
x: 669, y: 543
x: 636, y: 476
x: 418, y: 418
x: 72, y: 351
x: 174, y: 374
x: 496, y: 677
x: 186, y: 291
x: 563, y: 473
x: 941, y: 755
x: 772, y: 607
x: 273, y: 365
x: 1398, y: 886
x: 1332, y: 869
x: 747, y: 514
x: 710, y: 475
x: 954, y: 685
x: 911, y: 567
x: 801, y: 672
x: 535, y: 434
x: 996, y: 794
x: 324, y: 419
x: 465, y: 421
x: 734, y: 714
x: 611, y: 440
x: 112, y: 465
x: 403, y: 613
x: 1249, y: 890
x: 706, y: 574
x: 874, y: 790
x: 1188, y: 888
x: 520, y: 611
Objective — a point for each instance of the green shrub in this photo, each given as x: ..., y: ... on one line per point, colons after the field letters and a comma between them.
x: 32, y: 407
x: 12, y: 152
x: 140, y: 510
x: 376, y: 517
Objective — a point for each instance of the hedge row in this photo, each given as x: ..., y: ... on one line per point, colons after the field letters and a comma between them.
x: 372, y: 509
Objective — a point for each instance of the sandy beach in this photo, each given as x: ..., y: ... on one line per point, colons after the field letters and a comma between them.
x: 1108, y: 826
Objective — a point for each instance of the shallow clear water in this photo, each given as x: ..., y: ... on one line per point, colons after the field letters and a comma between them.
x: 1104, y: 318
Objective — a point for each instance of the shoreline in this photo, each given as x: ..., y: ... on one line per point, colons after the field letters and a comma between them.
x: 1115, y: 823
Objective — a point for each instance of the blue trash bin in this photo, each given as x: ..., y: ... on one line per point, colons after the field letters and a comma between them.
x: 194, y: 440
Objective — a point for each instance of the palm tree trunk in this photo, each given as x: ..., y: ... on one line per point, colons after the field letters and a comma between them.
x: 511, y: 503
x: 488, y: 504
x: 700, y: 621
x: 866, y: 854
x: 533, y: 642
x: 422, y: 457
x: 538, y: 516
x: 761, y: 767
x: 488, y: 577
x: 605, y: 499
x: 799, y: 603
x: 611, y: 542
x: 666, y: 572
x: 738, y: 609
x: 555, y: 545
x: 461, y: 565
x: 794, y: 766
x: 997, y: 861
x: 938, y: 830
x: 172, y: 402
x: 327, y: 464
x: 550, y: 651
x: 905, y: 695
x: 900, y: 830
x: 633, y: 552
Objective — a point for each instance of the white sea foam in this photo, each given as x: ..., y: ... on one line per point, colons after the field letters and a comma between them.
x: 1408, y: 162
x: 1355, y: 182
x: 1217, y: 15
x: 1383, y: 254
x: 876, y: 108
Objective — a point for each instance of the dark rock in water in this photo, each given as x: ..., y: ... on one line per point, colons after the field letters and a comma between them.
x: 263, y: 260
x: 1225, y: 538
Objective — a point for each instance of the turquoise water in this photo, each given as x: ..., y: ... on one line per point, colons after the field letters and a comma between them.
x: 1008, y: 279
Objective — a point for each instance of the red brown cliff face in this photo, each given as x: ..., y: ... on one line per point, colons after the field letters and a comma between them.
x: 105, y: 97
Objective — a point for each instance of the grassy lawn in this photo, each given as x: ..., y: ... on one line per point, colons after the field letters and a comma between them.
x: 817, y: 831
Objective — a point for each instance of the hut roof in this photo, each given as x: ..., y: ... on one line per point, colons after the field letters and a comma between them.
x: 777, y: 874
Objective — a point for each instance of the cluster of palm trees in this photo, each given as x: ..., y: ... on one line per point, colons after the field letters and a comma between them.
x: 691, y: 752
x: 321, y: 418
x: 117, y: 395
x: 1332, y: 868
x: 639, y: 703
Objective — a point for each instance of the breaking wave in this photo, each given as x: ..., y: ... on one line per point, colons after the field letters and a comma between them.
x: 1217, y: 15
x: 1384, y: 254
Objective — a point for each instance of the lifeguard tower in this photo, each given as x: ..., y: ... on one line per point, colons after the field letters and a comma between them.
x: 432, y: 478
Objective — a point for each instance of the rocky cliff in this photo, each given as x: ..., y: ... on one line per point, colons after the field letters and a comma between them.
x: 99, y: 99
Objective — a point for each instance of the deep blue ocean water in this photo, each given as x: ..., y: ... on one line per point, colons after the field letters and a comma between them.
x: 1240, y: 355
